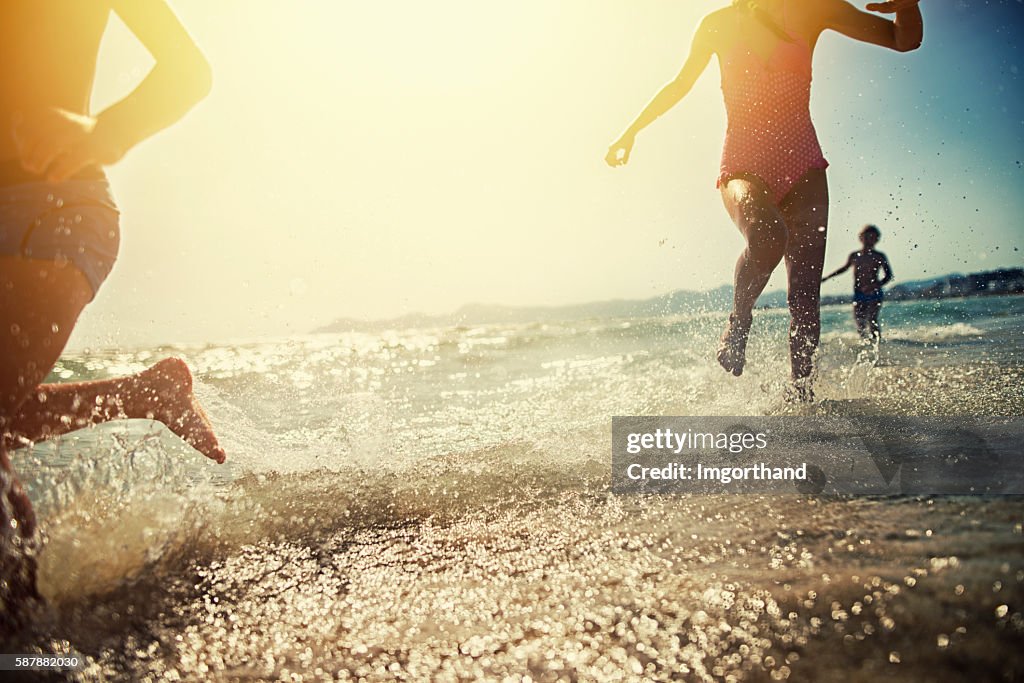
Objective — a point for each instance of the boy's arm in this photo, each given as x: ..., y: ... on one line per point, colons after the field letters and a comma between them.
x: 179, y: 79
x: 849, y: 262
x: 886, y: 272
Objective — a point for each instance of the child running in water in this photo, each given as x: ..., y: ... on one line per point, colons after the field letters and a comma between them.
x: 772, y: 177
x: 59, y: 235
x: 867, y: 287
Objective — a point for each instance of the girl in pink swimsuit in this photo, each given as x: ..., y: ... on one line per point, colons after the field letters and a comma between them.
x: 770, y: 134
x: 772, y: 178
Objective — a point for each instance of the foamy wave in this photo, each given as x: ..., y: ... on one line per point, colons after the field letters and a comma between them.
x: 920, y: 334
x: 935, y: 333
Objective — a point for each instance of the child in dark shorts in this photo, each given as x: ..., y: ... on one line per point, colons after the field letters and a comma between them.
x: 867, y: 286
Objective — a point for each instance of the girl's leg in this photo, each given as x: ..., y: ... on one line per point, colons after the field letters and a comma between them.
x: 162, y: 392
x: 806, y: 212
x: 764, y: 228
x: 18, y: 546
x: 39, y: 304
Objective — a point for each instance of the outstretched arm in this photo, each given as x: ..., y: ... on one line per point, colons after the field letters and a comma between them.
x: 849, y: 262
x: 903, y: 34
x: 667, y: 97
x: 61, y: 143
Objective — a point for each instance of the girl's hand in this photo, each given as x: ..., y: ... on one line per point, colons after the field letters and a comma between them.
x: 60, y: 143
x: 891, y: 7
x: 618, y: 153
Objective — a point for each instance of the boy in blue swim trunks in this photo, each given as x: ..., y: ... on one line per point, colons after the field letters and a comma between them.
x: 59, y: 235
x: 867, y: 286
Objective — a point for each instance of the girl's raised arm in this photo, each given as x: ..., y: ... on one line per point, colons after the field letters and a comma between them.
x: 179, y: 79
x: 61, y: 143
x: 667, y: 97
x: 902, y: 34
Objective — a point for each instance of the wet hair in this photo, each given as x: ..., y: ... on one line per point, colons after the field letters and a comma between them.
x: 871, y: 230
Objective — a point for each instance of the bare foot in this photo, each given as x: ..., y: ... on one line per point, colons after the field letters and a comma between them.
x: 732, y: 351
x: 164, y: 393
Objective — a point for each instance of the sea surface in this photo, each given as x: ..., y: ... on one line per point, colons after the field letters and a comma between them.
x: 434, y: 504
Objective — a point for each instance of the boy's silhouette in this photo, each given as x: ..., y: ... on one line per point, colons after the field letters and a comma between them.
x: 867, y: 287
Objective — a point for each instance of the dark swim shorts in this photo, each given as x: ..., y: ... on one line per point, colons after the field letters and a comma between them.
x: 867, y: 298
x: 75, y: 221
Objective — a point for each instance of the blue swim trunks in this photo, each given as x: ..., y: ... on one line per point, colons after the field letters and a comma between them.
x: 75, y: 221
x: 867, y: 298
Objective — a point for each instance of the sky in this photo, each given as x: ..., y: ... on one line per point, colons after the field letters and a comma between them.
x: 370, y: 159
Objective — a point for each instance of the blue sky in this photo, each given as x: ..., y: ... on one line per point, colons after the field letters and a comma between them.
x: 947, y: 139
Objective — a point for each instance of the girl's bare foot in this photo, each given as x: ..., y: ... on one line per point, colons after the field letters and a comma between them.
x: 732, y: 351
x: 163, y: 392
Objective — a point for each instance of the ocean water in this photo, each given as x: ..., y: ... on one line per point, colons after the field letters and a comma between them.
x: 433, y: 504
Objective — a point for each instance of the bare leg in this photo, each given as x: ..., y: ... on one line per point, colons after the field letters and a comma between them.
x: 762, y: 225
x: 806, y: 212
x: 162, y: 392
x: 18, y: 548
x: 874, y: 329
x: 39, y: 304
x: 861, y: 318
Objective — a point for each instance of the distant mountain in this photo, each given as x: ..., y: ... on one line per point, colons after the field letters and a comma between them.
x: 914, y: 285
x: 679, y: 301
x: 1003, y: 281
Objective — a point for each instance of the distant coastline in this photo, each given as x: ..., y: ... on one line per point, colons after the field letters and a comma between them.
x: 1003, y: 281
x: 986, y: 283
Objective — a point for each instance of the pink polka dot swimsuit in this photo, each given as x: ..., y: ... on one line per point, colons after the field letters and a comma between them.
x: 770, y: 134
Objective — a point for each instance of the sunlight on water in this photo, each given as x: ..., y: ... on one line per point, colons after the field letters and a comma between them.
x: 392, y: 499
